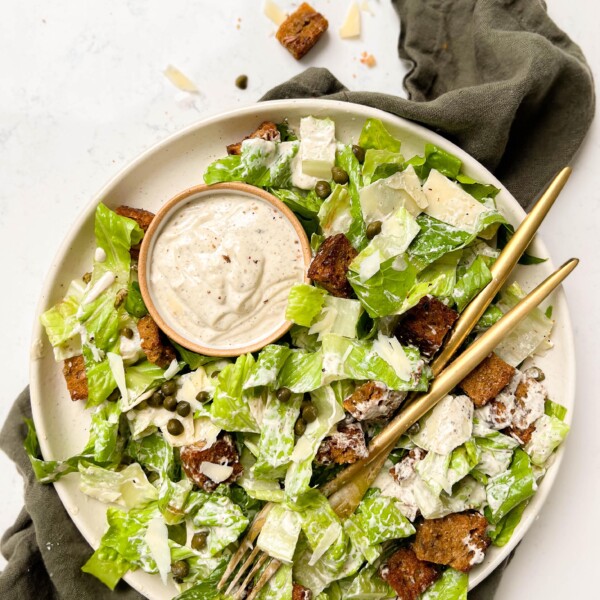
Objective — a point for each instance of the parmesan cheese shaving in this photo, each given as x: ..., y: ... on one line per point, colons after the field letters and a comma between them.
x: 273, y: 12
x: 351, y: 26
x: 218, y: 473
x: 179, y: 80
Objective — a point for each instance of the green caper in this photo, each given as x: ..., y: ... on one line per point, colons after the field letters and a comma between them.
x: 114, y: 396
x: 359, y: 152
x: 373, y: 229
x: 199, y: 540
x: 142, y: 405
x: 156, y: 399
x: 180, y: 569
x: 203, y: 397
x: 310, y: 413
x: 322, y: 189
x: 87, y: 277
x: 241, y: 81
x: 120, y: 297
x: 283, y: 394
x: 535, y: 373
x: 127, y: 332
x: 153, y: 476
x: 339, y: 175
x: 183, y: 409
x: 300, y: 427
x: 174, y: 427
x: 168, y: 388
x: 170, y: 403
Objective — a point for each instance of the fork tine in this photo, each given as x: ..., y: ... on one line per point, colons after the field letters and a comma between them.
x: 245, y: 545
x: 264, y: 578
x: 259, y: 563
x: 247, y: 564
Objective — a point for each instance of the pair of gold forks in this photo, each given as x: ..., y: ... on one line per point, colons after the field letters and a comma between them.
x: 347, y: 489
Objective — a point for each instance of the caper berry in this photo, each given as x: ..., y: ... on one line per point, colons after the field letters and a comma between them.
x: 87, y: 277
x: 170, y: 403
x: 168, y: 388
x: 180, y: 569
x: 156, y: 399
x: 114, y: 396
x: 174, y: 427
x: 339, y: 175
x: 373, y: 229
x: 120, y: 297
x: 322, y: 189
x: 535, y: 373
x: 359, y: 152
x: 310, y: 413
x: 300, y: 427
x: 183, y: 409
x: 203, y: 397
x: 283, y: 394
x: 199, y: 540
x: 142, y: 405
x: 127, y: 332
x: 241, y: 81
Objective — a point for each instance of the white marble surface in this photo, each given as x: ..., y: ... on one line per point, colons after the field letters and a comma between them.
x: 83, y: 94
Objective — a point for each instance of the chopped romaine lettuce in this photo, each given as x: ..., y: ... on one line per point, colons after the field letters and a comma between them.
x: 279, y: 534
x: 375, y: 135
x: 304, y: 304
x: 452, y: 585
x: 380, y: 164
x: 501, y: 533
x: 339, y: 316
x: 548, y: 434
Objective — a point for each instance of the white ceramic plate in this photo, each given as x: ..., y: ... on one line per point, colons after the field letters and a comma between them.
x: 178, y: 163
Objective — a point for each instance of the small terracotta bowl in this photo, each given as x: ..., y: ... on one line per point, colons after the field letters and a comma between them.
x: 164, y: 214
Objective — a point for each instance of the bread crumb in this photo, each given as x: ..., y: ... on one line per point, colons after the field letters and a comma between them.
x: 368, y: 60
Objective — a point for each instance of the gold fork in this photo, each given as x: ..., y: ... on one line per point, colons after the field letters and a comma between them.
x: 346, y: 491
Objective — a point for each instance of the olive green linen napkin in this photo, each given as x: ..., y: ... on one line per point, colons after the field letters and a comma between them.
x: 495, y: 76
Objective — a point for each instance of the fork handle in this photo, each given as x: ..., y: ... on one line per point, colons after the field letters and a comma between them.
x: 450, y: 377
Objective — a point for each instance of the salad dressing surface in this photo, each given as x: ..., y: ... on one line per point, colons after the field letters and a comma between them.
x: 222, y: 267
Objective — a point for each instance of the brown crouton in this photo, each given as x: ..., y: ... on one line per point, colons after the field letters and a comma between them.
x: 487, y: 380
x: 74, y: 372
x: 154, y: 343
x: 302, y: 30
x: 405, y: 468
x: 299, y: 592
x: 345, y: 446
x: 222, y: 452
x: 142, y: 217
x: 408, y: 575
x: 530, y: 397
x: 267, y: 130
x: 426, y: 325
x: 458, y: 540
x: 373, y: 400
x: 330, y: 265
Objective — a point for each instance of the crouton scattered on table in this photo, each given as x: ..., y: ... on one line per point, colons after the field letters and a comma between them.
x: 154, y: 342
x: 457, y: 540
x: 74, y: 372
x: 344, y: 446
x: 426, y: 325
x: 267, y: 130
x: 408, y: 575
x: 302, y: 30
x: 330, y: 265
x: 222, y: 452
x: 487, y: 380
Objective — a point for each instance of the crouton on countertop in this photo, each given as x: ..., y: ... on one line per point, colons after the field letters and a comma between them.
x: 426, y: 325
x: 407, y: 575
x: 330, y: 265
x: 222, y: 452
x: 267, y: 130
x: 487, y: 380
x: 458, y: 540
x: 154, y: 343
x: 299, y: 592
x: 74, y: 372
x: 302, y: 30
x: 373, y: 400
x: 344, y: 446
x: 142, y: 217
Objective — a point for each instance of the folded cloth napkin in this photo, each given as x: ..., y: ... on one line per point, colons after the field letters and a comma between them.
x: 495, y: 76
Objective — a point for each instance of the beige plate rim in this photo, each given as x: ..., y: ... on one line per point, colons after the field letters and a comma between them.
x: 562, y: 358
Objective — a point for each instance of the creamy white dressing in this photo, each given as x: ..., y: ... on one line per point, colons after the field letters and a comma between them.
x: 100, y: 255
x: 100, y: 286
x: 222, y: 267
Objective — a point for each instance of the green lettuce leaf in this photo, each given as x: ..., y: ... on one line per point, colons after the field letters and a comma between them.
x: 501, y: 533
x: 339, y: 316
x: 375, y: 135
x: 107, y: 565
x: 553, y: 409
x: 380, y: 164
x: 155, y: 454
x: 304, y: 304
x: 474, y: 279
x: 267, y: 366
x: 134, y: 303
x: 367, y: 585
x: 279, y: 535
x: 280, y: 585
x: 549, y: 433
x: 347, y: 161
x: 302, y: 371
x: 452, y: 585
